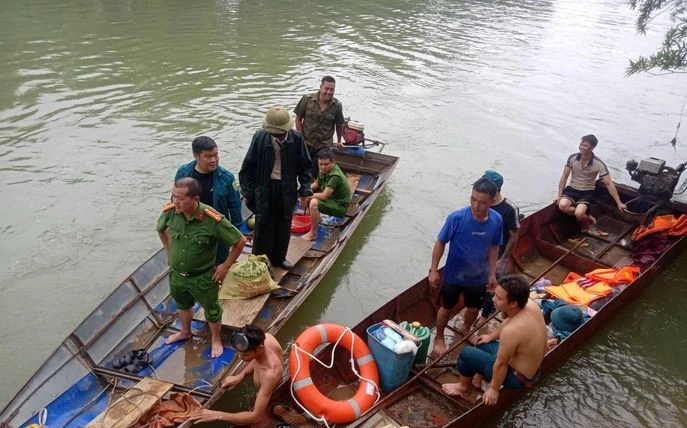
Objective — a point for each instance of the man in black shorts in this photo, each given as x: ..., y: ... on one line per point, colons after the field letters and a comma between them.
x: 473, y: 234
x: 583, y: 168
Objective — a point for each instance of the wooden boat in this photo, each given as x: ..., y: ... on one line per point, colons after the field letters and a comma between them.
x: 78, y: 381
x: 550, y: 245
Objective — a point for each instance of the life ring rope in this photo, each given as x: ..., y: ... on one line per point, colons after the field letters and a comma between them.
x: 299, y: 350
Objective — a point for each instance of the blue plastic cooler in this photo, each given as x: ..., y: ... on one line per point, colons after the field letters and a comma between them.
x: 393, y: 368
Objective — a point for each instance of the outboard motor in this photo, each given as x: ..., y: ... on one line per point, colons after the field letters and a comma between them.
x: 657, y: 183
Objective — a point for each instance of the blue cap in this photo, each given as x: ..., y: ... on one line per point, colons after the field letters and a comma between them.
x: 494, y: 177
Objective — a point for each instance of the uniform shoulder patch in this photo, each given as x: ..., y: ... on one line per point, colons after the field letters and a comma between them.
x: 213, y: 214
x: 167, y: 207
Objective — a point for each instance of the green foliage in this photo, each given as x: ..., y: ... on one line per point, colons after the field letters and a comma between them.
x: 672, y: 56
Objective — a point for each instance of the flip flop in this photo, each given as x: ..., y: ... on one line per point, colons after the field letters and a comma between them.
x: 135, y: 367
x: 137, y: 355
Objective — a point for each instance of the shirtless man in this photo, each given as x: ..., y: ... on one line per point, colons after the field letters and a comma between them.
x: 263, y: 353
x: 511, y: 355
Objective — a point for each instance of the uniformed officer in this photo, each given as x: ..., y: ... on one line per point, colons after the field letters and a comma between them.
x: 189, y: 231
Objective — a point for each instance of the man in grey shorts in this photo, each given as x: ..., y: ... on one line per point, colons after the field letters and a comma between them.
x: 583, y: 168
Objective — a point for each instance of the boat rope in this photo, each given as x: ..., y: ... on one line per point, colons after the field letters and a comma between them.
x: 673, y: 142
x: 328, y: 366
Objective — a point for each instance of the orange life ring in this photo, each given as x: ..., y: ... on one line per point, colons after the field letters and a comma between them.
x: 306, y: 391
x: 300, y: 223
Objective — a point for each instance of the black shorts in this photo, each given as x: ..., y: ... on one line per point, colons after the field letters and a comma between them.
x: 473, y: 296
x: 578, y: 196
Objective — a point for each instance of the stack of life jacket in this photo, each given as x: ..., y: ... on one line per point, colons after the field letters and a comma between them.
x: 663, y: 224
x: 582, y: 290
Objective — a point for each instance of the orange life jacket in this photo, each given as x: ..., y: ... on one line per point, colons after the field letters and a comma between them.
x: 613, y: 276
x: 666, y: 224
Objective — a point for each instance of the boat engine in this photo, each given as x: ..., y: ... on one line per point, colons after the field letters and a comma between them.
x: 353, y: 134
x: 656, y: 180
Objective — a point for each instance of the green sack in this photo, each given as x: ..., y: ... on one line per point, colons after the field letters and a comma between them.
x: 248, y: 278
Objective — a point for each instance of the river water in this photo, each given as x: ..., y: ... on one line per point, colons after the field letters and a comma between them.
x: 99, y: 101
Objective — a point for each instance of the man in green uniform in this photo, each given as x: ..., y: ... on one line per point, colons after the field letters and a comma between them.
x: 276, y: 162
x: 317, y: 115
x: 189, y: 231
x: 332, y: 192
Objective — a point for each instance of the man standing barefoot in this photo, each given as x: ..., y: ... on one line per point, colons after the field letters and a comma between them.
x: 189, y: 231
x: 511, y: 355
x: 474, y: 235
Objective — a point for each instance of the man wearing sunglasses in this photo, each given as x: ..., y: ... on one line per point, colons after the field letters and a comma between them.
x: 262, y: 354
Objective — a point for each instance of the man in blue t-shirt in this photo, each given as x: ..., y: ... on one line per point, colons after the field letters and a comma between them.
x: 474, y: 235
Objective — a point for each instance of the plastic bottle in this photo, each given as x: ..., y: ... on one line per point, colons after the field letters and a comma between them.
x: 379, y: 335
x: 391, y: 334
x: 388, y: 343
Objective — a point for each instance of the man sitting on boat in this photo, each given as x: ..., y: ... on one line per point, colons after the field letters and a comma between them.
x: 189, y: 231
x: 332, y: 192
x: 263, y: 355
x: 511, y: 355
x: 474, y: 234
x: 583, y: 168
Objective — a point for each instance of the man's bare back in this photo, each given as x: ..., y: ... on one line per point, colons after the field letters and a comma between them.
x: 269, y: 367
x: 528, y: 329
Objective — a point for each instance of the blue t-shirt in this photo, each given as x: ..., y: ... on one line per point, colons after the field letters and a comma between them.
x: 469, y: 240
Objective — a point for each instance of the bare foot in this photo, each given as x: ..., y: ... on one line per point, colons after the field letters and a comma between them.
x: 477, y: 381
x: 439, y: 347
x: 217, y: 349
x: 177, y: 337
x: 309, y: 236
x: 456, y: 389
x: 593, y: 230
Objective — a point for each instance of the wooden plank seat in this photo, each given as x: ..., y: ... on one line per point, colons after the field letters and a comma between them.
x: 133, y: 404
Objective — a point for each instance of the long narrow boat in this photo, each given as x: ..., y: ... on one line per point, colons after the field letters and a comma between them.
x: 78, y: 380
x: 550, y: 245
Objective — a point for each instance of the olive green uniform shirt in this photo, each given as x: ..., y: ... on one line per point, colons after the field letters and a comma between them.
x: 337, y: 180
x: 193, y: 243
x: 319, y: 125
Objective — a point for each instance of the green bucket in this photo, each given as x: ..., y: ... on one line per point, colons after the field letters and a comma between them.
x: 422, y: 333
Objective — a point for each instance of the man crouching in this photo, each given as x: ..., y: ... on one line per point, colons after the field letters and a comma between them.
x: 263, y: 355
x: 511, y: 355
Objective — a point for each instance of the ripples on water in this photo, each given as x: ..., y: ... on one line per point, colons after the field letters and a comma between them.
x: 99, y: 101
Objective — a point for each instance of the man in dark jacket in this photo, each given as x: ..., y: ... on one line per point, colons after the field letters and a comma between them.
x: 219, y: 188
x: 276, y: 163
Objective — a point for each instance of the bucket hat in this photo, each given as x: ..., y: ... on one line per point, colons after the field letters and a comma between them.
x: 566, y: 319
x: 277, y: 120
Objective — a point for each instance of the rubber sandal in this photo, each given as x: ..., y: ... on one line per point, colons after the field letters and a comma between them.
x: 135, y: 367
x: 132, y: 357
x: 124, y: 361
